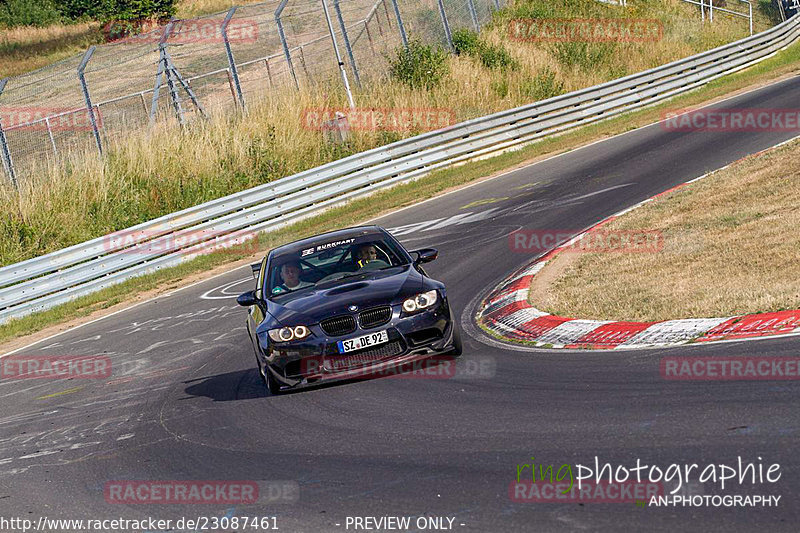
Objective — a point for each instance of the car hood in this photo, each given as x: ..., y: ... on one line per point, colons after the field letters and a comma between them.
x: 370, y: 289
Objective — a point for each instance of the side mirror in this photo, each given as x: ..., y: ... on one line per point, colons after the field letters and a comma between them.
x: 247, y: 299
x: 426, y: 255
x: 256, y: 268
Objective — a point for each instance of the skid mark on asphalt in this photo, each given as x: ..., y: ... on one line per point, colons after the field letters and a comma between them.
x: 484, y: 201
x: 63, y: 392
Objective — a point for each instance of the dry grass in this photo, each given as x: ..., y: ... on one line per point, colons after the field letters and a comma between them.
x: 28, y: 48
x: 196, y: 8
x: 784, y: 64
x: 731, y: 247
x: 151, y: 173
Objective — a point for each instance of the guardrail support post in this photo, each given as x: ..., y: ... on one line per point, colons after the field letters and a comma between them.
x: 89, y: 108
x: 400, y: 23
x: 446, y: 24
x: 347, y: 46
x: 282, y: 35
x: 232, y: 64
x: 8, y: 163
x: 474, y: 15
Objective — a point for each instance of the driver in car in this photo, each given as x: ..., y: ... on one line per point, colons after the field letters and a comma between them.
x: 290, y: 275
x: 365, y: 254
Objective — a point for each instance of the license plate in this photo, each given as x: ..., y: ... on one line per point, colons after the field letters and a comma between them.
x: 365, y: 341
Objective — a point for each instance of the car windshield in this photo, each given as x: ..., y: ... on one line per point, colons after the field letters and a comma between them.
x: 331, y: 260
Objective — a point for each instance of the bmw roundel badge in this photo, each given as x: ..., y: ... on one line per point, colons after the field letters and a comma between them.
x: 353, y: 308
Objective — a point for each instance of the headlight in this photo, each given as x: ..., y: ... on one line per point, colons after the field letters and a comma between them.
x: 420, y: 301
x: 289, y: 334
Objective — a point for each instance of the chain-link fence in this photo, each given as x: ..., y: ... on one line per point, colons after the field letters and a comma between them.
x: 225, y: 60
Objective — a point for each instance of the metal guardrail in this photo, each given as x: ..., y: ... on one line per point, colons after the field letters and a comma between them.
x: 44, y: 282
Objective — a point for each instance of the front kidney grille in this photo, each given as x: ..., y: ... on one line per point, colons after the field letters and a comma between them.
x: 375, y: 317
x: 338, y: 325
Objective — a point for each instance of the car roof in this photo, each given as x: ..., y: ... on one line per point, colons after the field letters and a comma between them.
x: 339, y: 234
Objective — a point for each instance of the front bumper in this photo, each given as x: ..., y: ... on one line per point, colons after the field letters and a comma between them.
x: 317, y: 359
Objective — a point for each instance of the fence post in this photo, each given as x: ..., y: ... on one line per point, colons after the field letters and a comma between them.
x: 89, y: 108
x: 282, y: 35
x: 474, y: 15
x: 400, y: 23
x: 8, y: 163
x: 233, y: 70
x: 346, y: 41
x: 162, y: 60
x: 50, y: 135
x: 497, y: 5
x: 338, y: 56
x: 443, y: 14
x: 269, y: 73
x: 386, y: 10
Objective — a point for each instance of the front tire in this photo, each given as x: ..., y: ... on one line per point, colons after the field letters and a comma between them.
x: 457, y: 349
x: 268, y: 379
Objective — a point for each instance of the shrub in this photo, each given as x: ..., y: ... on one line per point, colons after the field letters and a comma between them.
x: 107, y: 10
x: 583, y: 55
x: 46, y: 12
x: 28, y: 13
x: 467, y: 42
x: 543, y: 85
x: 769, y: 8
x: 420, y: 65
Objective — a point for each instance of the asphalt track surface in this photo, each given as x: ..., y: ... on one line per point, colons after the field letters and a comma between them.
x: 185, y: 402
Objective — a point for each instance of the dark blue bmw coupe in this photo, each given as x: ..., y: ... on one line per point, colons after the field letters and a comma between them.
x: 345, y: 304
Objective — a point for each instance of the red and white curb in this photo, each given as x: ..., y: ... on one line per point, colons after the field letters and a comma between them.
x: 507, y: 313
